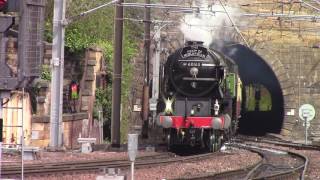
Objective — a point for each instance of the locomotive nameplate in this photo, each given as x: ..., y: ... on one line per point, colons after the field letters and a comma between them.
x: 191, y: 64
x: 195, y: 63
x: 194, y: 51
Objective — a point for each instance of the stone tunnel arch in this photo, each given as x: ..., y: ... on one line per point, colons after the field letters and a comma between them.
x: 276, y: 79
x: 275, y: 60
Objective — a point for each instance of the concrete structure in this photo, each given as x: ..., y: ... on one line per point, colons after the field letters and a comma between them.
x: 86, y: 144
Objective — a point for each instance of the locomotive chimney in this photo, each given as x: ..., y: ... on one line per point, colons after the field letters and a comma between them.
x: 194, y: 43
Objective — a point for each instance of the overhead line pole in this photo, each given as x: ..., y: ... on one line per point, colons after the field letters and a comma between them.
x: 59, y: 24
x: 155, y: 72
x: 57, y: 74
x: 117, y: 74
x: 145, y: 112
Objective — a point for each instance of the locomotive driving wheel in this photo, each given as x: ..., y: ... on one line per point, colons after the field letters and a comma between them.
x: 168, y: 142
x: 170, y: 139
x: 217, y: 144
x: 214, y: 142
x: 211, y: 142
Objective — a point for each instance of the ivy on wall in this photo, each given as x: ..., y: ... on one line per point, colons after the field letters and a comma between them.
x: 45, y: 73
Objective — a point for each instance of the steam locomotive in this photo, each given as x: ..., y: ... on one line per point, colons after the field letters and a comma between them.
x: 201, y: 97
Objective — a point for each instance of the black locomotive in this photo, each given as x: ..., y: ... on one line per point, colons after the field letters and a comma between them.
x: 201, y: 97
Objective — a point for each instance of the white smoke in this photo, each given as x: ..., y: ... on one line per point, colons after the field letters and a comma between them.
x: 208, y: 23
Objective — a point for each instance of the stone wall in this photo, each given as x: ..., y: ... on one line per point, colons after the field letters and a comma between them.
x: 79, y: 122
x: 36, y: 113
x: 74, y: 125
x: 93, y: 66
x: 297, y: 69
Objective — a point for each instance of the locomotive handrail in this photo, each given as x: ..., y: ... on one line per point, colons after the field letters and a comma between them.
x: 199, y: 79
x: 194, y: 60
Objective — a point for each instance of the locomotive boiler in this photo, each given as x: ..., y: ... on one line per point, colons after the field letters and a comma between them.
x: 200, y: 97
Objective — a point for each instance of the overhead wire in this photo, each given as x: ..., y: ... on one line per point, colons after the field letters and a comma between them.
x: 310, y: 29
x: 76, y: 17
x: 316, y: 1
x: 234, y: 25
x: 191, y: 9
x: 309, y: 5
x: 165, y: 17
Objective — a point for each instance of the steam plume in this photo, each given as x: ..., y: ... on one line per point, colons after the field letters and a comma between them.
x: 207, y: 24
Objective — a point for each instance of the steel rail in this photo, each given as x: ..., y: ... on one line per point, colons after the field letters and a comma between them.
x: 250, y: 172
x: 302, y: 167
x: 96, y: 166
x: 52, y: 164
x: 223, y: 175
x: 233, y: 174
x: 286, y: 144
x: 278, y: 142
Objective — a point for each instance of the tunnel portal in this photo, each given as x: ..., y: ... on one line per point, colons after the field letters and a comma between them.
x: 263, y: 105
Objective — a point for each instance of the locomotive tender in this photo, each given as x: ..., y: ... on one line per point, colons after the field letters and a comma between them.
x: 201, y: 97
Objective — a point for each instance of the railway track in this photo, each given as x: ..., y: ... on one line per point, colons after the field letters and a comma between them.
x: 275, y: 141
x: 63, y: 167
x: 274, y: 164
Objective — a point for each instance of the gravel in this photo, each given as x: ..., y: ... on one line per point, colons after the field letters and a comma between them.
x: 52, y: 157
x: 313, y: 169
x: 213, y: 165
x: 222, y: 162
x: 235, y: 160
